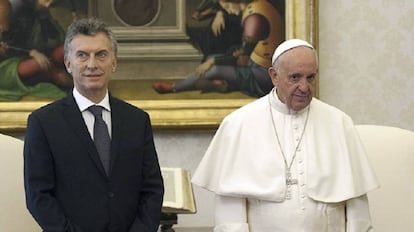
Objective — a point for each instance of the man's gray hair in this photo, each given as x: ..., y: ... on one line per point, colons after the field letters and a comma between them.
x: 88, y: 27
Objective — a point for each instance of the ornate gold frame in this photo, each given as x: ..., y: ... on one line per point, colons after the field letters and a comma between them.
x: 301, y: 22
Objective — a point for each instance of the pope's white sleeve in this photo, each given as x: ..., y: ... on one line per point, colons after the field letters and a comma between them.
x: 357, y: 215
x: 230, y: 214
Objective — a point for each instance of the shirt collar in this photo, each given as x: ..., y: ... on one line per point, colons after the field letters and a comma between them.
x: 84, y: 103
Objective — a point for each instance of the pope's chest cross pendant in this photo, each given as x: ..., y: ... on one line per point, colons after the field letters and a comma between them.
x: 289, y: 182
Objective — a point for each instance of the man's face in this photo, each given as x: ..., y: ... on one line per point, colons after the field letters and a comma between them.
x: 295, y: 77
x: 91, y: 62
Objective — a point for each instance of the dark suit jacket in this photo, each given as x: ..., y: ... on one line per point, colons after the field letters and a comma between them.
x: 66, y: 185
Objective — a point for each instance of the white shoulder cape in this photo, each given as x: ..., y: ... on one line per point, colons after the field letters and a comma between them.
x: 241, y: 160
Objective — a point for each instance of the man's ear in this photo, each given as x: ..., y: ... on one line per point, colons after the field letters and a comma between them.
x: 273, y: 75
x: 67, y: 65
x: 114, y: 65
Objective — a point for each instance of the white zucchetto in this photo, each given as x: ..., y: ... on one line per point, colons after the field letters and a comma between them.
x: 287, y: 45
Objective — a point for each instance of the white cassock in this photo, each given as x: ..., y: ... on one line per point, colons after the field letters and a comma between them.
x: 244, y: 167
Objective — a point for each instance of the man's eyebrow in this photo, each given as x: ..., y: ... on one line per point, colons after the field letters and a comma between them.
x: 93, y: 52
x: 295, y: 74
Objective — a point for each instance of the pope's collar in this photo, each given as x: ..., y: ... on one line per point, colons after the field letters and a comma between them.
x: 282, y: 107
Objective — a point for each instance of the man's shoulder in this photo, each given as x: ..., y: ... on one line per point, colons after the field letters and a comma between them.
x: 54, y: 105
x: 119, y: 104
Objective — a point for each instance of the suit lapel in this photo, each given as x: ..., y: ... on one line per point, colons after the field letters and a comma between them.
x: 74, y: 117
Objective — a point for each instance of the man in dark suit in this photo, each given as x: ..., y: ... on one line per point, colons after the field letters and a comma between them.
x: 70, y: 185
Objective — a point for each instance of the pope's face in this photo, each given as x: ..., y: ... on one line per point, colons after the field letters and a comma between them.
x: 294, y: 78
x: 91, y: 62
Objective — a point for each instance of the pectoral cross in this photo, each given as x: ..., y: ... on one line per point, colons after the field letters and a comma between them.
x: 289, y: 182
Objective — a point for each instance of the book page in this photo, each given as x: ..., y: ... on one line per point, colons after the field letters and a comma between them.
x: 178, y: 196
x: 169, y: 183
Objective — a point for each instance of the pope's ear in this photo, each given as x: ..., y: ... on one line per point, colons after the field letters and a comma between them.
x: 272, y: 72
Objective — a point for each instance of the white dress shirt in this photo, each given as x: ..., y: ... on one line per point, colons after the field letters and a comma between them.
x: 84, y: 103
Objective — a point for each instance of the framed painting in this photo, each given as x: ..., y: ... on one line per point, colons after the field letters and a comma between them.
x: 156, y: 46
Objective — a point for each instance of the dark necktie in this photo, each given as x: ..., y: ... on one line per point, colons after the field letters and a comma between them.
x: 101, y: 136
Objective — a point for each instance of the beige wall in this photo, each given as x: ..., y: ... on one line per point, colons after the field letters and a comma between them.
x: 367, y: 59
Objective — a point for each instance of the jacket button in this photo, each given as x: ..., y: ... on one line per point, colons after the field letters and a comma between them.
x: 111, y: 194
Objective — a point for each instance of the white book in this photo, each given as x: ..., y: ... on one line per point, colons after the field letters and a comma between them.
x: 178, y: 196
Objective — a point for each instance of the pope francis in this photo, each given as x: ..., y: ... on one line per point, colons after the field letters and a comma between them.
x: 288, y: 162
